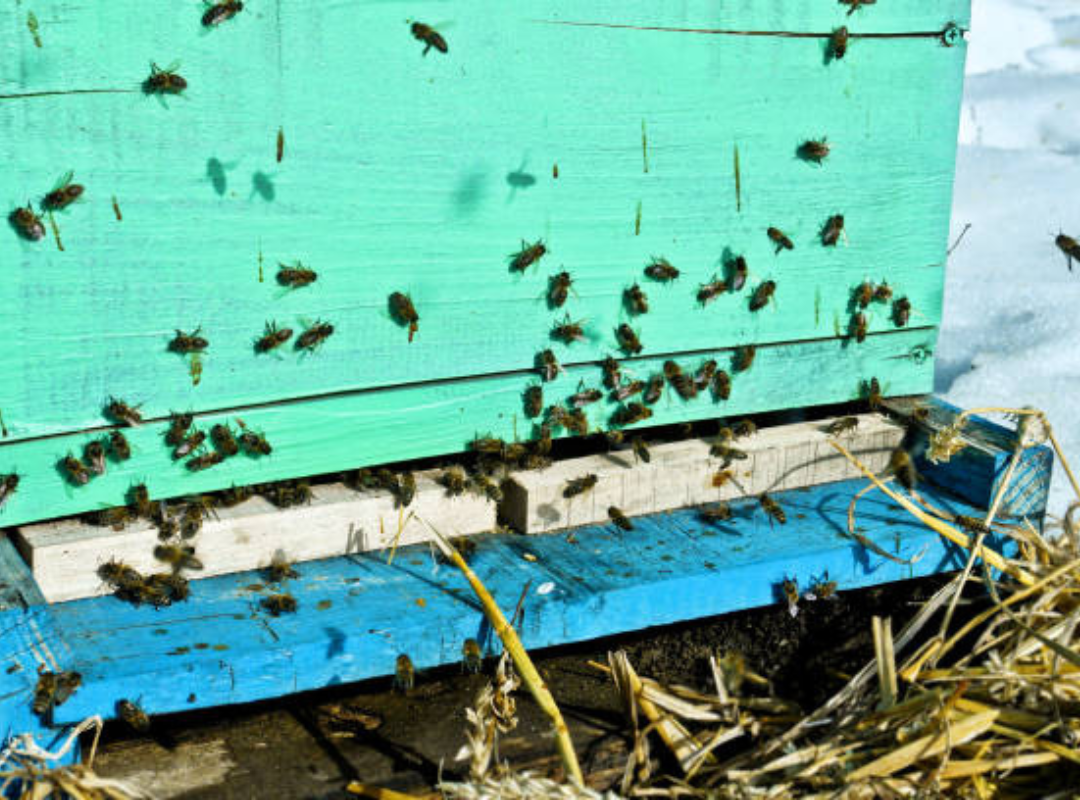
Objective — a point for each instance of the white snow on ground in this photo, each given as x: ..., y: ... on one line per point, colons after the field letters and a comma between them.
x: 1011, y: 330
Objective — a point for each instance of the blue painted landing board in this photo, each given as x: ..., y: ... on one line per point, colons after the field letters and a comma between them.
x: 357, y: 614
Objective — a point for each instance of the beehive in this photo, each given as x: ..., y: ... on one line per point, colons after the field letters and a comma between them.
x: 323, y: 133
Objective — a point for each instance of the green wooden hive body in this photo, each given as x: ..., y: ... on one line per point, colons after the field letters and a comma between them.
x: 613, y: 141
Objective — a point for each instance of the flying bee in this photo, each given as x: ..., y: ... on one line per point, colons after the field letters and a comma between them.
x: 761, y: 295
x: 139, y: 501
x: 859, y: 326
x: 902, y: 467
x: 631, y: 413
x: 628, y: 390
x: 27, y: 223
x: 612, y: 376
x: 205, y: 461
x: 654, y: 390
x: 8, y: 485
x: 882, y: 293
x: 620, y: 519
x: 404, y: 312
x: 63, y: 194
x: 628, y: 339
x: 278, y: 604
x: 863, y: 294
x: 790, y: 588
x: 720, y: 512
x: 528, y: 255
x: 296, y: 275
x: 856, y: 4
x: 121, y: 412
x: 318, y: 333
x: 568, y: 331
x: 558, y: 289
x: 772, y: 508
x: 841, y: 426
x: 76, y: 470
x: 472, y: 658
x: 814, y: 150
x: 219, y: 12
x: 178, y: 428
x: 164, y: 81
x: 834, y: 227
x: 738, y: 271
x: 726, y: 453
x: 1067, y: 244
x: 94, y: 453
x: 188, y: 445
x: 547, y: 365
x: 708, y: 292
x: 134, y: 716
x: 430, y: 37
x: 188, y: 342
x: 280, y: 569
x: 871, y: 390
x: 838, y: 43
x: 273, y: 337
x: 661, y: 270
x: 453, y: 480
x: 744, y: 358
x: 223, y: 439
x: 637, y: 302
x: 177, y: 556
x: 641, y: 450
x: 534, y: 401
x: 780, y: 239
x: 404, y: 674
x: 901, y: 312
x: 743, y: 428
x: 579, y: 485
x: 53, y: 689
x: 722, y: 478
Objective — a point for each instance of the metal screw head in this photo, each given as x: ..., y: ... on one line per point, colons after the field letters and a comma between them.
x: 952, y: 35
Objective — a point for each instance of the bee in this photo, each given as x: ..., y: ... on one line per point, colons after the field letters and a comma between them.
x: 726, y: 453
x: 856, y: 4
x: 235, y: 495
x: 743, y: 428
x: 484, y: 485
x: 121, y: 412
x: 27, y: 223
x: 116, y: 518
x: 902, y: 467
x: 164, y: 81
x: 612, y: 376
x: 631, y: 413
x: 558, y: 289
x: 871, y: 390
x: 205, y: 461
x: 654, y: 390
x: 863, y: 294
x: 189, y: 445
x: 490, y: 445
x: 683, y: 384
x: 628, y: 390
x: 882, y: 293
x: 628, y: 339
x: 661, y: 270
x: 318, y: 333
x: 578, y: 423
x: 453, y: 479
x: 772, y: 508
x: 177, y: 556
x: 843, y: 425
x: 1067, y: 244
x: 568, y: 331
x: 63, y: 194
x: 53, y: 689
x: 272, y: 338
x: 781, y: 240
x: 220, y: 12
x: 165, y: 588
x: 139, y: 501
x: 94, y: 452
x: 8, y: 486
x: 472, y: 658
x: 620, y: 519
x: 280, y: 569
x: 542, y: 443
x: 403, y: 310
x: 790, y: 587
x: 636, y: 300
x: 406, y: 490
x: 547, y: 365
x: 579, y: 485
x: 834, y: 226
x: 615, y: 438
x: 280, y: 144
x: 255, y: 444
x: 295, y: 276
x: 721, y: 385
x: 744, y: 358
x: 720, y: 512
x: 188, y: 342
x: 814, y: 150
x: 404, y: 674
x: 178, y: 428
x: 708, y: 292
x: 838, y: 43
x: 223, y: 439
x: 722, y: 478
x: 528, y: 255
x: 641, y: 450
x: 972, y: 524
x: 859, y: 326
x: 119, y: 575
x: 278, y: 604
x: 134, y: 716
x: 823, y: 589
x: 430, y: 37
x: 761, y: 295
x: 738, y: 274
x: 901, y: 312
x: 586, y: 397
x: 76, y: 470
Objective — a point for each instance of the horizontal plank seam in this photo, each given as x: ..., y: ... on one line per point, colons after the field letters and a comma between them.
x: 781, y: 34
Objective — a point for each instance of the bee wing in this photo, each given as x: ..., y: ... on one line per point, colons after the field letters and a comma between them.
x: 64, y: 180
x: 445, y: 25
x: 173, y: 67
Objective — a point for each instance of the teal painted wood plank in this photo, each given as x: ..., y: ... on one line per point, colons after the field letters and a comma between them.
x: 395, y: 177
x: 336, y: 433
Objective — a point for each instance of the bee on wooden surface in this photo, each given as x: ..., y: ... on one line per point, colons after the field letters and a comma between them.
x: 585, y: 397
x: 814, y: 150
x: 273, y: 337
x: 637, y: 302
x: 871, y: 390
x: 726, y: 453
x: 164, y: 81
x: 189, y: 445
x: 641, y: 450
x: 472, y: 658
x: 139, y: 500
x: 743, y: 428
x: 722, y: 478
x: 558, y: 289
x: 882, y: 293
x: 628, y: 390
x: 404, y: 312
x: 708, y: 292
x: 222, y: 437
x: 838, y: 427
x: 278, y: 604
x: 119, y: 575
x: 121, y: 412
x: 902, y: 467
x: 612, y: 373
x: 901, y: 312
x: 116, y: 518
x: 1067, y: 244
x: 620, y: 519
x: 482, y: 484
x: 174, y: 587
x: 744, y: 358
x: 27, y: 223
x: 406, y: 490
x: 314, y: 336
x: 863, y: 294
x: 216, y: 13
x: 8, y: 486
x: 615, y: 438
x: 528, y: 255
x: 404, y: 674
x: 178, y: 556
x: 834, y: 227
x: 780, y: 239
x: 205, y: 461
x: 682, y: 383
x: 53, y: 689
x: 453, y: 480
x: 76, y: 471
x: 577, y: 422
x: 548, y: 365
x: 133, y: 716
x: 63, y: 194
x: 188, y: 342
x: 772, y: 508
x: 118, y: 446
x: 790, y: 588
x: 94, y: 453
x: 628, y: 339
x: 280, y: 569
x: 178, y: 428
x: 579, y: 485
x: 568, y: 331
x: 822, y: 589
x: 721, y: 385
x: 762, y: 295
x: 856, y: 4
x: 533, y: 399
x: 296, y: 275
x: 720, y: 512
x: 541, y: 445
x: 654, y: 390
x: 838, y: 43
x: 235, y: 495
x: 859, y: 326
x: 489, y: 445
x: 631, y: 413
x: 661, y: 270
x: 430, y: 37
x: 255, y: 444
x: 737, y: 271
